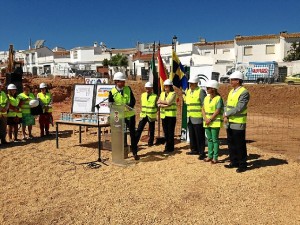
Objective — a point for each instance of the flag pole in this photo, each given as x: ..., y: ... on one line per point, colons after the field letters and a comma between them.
x: 158, y: 95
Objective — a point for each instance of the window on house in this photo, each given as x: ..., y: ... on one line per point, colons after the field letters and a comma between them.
x: 207, y: 53
x: 248, y: 50
x: 75, y: 55
x: 225, y: 51
x: 270, y: 49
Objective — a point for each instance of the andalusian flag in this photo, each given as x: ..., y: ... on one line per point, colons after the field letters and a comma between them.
x: 153, y: 75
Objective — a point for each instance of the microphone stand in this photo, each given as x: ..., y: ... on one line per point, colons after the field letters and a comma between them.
x: 95, y: 164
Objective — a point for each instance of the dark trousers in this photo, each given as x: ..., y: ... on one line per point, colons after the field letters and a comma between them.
x: 140, y: 129
x: 237, y: 147
x: 3, y: 123
x: 168, y: 124
x: 130, y: 123
x: 197, y: 137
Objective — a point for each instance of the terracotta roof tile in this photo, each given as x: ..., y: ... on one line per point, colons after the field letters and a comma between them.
x: 292, y: 35
x: 214, y: 43
x: 258, y: 37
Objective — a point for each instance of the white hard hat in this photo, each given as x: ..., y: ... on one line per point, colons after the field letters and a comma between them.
x: 148, y: 85
x: 43, y: 85
x: 212, y: 84
x: 11, y: 87
x: 168, y: 82
x: 33, y: 103
x: 194, y: 79
x: 236, y: 75
x: 119, y: 76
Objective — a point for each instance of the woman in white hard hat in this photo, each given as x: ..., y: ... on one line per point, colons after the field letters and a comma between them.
x: 14, y: 114
x: 194, y: 97
x: 212, y: 114
x: 148, y: 113
x: 27, y: 119
x: 168, y: 112
x: 45, y: 99
x: 4, y: 104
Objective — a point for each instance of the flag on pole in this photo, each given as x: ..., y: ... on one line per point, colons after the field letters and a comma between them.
x: 153, y: 75
x: 162, y: 70
x: 178, y: 77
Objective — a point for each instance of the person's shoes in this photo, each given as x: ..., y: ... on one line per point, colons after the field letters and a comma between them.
x: 241, y: 169
x: 136, y: 157
x: 230, y: 166
x: 192, y: 153
x: 207, y: 160
x: 4, y: 142
x: 214, y: 161
x: 201, y: 157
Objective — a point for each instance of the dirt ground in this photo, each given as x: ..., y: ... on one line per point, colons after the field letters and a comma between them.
x: 43, y: 185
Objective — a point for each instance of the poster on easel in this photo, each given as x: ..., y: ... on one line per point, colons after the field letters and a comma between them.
x: 83, y: 98
x: 101, y: 99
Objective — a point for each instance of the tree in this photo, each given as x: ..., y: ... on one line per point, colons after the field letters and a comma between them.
x: 118, y: 61
x: 105, y: 62
x: 293, y: 53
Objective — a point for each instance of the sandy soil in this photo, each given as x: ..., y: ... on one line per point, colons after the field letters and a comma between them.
x: 43, y: 185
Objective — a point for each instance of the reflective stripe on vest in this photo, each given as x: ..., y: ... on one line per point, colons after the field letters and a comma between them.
x: 232, y: 102
x: 122, y: 99
x: 26, y: 98
x: 193, y: 103
x: 210, y: 106
x: 149, y: 107
x: 169, y: 111
x: 14, y: 102
x: 46, y: 99
x: 3, y: 101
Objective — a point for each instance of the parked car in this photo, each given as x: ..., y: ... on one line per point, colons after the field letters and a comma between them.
x: 293, y: 79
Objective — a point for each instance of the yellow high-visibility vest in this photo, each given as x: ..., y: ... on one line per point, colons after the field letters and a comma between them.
x: 46, y: 99
x: 210, y: 106
x: 149, y: 107
x: 169, y: 111
x: 193, y: 103
x: 123, y: 99
x: 14, y: 102
x: 3, y: 102
x: 232, y: 102
x: 25, y: 106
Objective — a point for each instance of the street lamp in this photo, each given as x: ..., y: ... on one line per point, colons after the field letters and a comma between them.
x: 174, y: 40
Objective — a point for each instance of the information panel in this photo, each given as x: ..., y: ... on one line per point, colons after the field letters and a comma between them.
x: 83, y: 98
x: 102, y: 92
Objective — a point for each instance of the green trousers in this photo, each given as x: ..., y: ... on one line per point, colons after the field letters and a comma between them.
x: 212, y: 134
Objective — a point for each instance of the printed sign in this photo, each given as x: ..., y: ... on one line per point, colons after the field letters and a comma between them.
x: 83, y: 98
x: 102, y: 92
x: 96, y: 80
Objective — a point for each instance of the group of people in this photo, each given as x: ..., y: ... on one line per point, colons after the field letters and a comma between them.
x: 206, y: 114
x: 21, y: 109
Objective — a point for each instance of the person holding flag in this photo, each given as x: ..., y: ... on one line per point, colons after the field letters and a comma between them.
x: 194, y: 98
x: 148, y: 113
x: 168, y: 112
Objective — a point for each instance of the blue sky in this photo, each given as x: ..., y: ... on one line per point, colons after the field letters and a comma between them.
x: 121, y: 24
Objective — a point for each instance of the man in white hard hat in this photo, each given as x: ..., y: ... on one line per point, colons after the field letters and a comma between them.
x: 236, y: 117
x: 4, y: 104
x: 194, y: 97
x: 122, y: 94
x: 148, y: 113
x: 168, y: 113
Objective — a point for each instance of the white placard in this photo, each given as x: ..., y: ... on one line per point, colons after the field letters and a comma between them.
x: 83, y: 98
x: 102, y: 92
